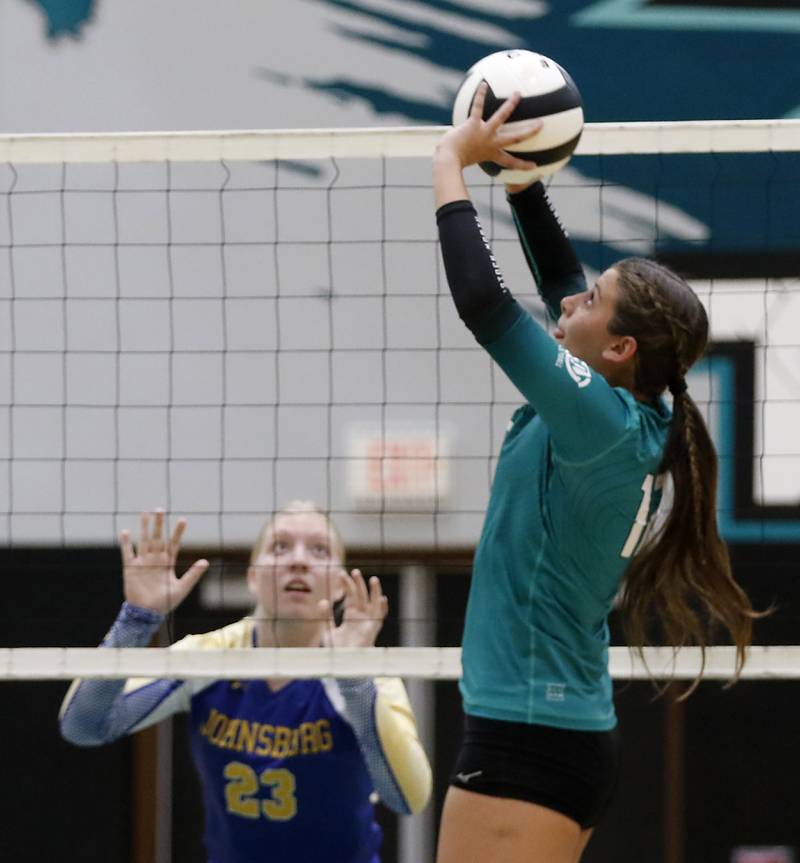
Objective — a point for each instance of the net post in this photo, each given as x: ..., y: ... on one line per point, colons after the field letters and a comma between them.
x: 417, y: 629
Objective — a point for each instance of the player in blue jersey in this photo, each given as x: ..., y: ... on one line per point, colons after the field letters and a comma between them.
x: 579, y: 476
x: 288, y: 768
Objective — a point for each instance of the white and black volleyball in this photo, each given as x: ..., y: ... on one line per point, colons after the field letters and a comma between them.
x: 547, y: 92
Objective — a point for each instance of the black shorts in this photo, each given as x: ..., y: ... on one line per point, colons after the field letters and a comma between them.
x: 572, y: 772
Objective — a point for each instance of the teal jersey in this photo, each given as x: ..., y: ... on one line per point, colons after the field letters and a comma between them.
x: 575, y: 484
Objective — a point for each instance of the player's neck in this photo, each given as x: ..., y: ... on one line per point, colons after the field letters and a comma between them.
x: 288, y: 633
x: 625, y: 377
x: 294, y: 633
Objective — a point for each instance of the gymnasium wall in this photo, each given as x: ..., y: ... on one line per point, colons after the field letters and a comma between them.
x: 78, y: 65
x: 186, y: 310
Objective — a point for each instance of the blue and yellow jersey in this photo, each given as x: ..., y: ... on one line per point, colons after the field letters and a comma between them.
x: 286, y: 774
x: 576, y: 481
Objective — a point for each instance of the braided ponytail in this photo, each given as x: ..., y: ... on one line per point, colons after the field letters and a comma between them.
x: 679, y: 585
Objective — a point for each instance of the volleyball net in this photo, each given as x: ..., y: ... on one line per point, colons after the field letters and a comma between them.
x: 420, y: 663
x: 218, y: 323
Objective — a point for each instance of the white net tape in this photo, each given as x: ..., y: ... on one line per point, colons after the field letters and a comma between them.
x: 699, y: 136
x: 432, y: 663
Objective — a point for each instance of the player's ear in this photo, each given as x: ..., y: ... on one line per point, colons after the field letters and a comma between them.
x: 252, y: 579
x: 621, y: 349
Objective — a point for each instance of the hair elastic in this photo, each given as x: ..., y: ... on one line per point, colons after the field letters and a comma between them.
x: 678, y: 387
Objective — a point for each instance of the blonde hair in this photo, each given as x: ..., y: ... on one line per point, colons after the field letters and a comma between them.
x: 295, y: 507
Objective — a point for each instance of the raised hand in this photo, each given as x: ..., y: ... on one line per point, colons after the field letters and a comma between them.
x: 365, y: 609
x: 149, y: 572
x: 478, y: 140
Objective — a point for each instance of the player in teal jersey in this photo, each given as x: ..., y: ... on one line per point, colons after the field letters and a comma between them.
x: 288, y: 768
x: 579, y: 477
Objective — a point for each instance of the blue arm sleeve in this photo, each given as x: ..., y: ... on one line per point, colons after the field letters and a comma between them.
x: 584, y: 414
x: 379, y: 713
x: 100, y: 711
x: 547, y: 247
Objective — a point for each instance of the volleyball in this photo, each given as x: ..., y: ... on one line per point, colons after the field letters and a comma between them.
x: 547, y: 92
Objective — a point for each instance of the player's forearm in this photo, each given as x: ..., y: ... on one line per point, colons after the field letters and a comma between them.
x: 480, y: 295
x: 380, y: 715
x: 448, y: 177
x: 547, y: 247
x: 96, y: 711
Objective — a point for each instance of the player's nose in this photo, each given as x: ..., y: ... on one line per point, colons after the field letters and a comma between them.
x: 299, y: 558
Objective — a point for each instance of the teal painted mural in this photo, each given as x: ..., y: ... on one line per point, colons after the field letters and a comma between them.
x: 634, y: 60
x: 65, y: 17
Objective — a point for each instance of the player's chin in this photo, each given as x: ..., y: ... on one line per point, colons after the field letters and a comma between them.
x: 570, y: 344
x: 299, y: 606
x: 299, y: 598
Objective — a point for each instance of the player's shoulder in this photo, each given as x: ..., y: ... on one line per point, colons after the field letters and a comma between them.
x: 238, y: 634
x: 392, y: 689
x: 640, y: 441
x: 653, y: 422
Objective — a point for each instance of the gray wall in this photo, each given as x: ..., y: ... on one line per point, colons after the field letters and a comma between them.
x: 163, y: 342
x: 212, y: 338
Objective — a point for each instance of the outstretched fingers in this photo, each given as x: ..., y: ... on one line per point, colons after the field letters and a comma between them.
x: 364, y: 596
x: 478, y: 101
x: 509, y: 160
x: 518, y: 131
x: 126, y: 547
x: 158, y: 525
x: 175, y: 540
x: 346, y: 591
x: 378, y: 602
x: 187, y: 582
x: 502, y: 114
x: 499, y: 133
x: 515, y: 133
x: 359, y: 591
x: 144, y: 532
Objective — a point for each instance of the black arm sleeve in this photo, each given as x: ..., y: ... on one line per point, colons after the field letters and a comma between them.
x: 584, y: 414
x: 481, y: 297
x: 547, y: 247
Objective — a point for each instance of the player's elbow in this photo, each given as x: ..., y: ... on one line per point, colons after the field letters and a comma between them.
x: 77, y: 730
x: 415, y: 788
x: 421, y: 795
x: 78, y: 736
